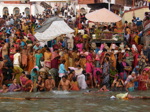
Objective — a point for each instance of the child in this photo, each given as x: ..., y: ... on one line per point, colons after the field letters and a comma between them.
x: 74, y: 84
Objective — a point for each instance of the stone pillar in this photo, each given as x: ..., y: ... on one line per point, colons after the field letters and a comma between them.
x: 10, y: 9
x: 33, y: 10
x: 1, y: 10
x: 21, y: 8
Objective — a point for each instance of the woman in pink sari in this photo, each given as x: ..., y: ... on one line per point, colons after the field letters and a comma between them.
x: 79, y: 46
x: 30, y: 36
x: 143, y: 80
x: 97, y: 73
x: 23, y: 80
x: 89, y: 70
x: 135, y: 56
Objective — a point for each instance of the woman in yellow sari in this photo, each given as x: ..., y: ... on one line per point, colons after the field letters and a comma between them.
x: 83, y: 60
x: 74, y: 57
x: 66, y: 58
x: 18, y: 71
x: 113, y: 59
x: 47, y: 58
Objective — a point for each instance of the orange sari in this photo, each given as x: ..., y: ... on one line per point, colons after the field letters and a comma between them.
x: 30, y: 62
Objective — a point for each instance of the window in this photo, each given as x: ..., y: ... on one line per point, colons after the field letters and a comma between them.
x: 16, y: 11
x: 27, y: 11
x: 5, y: 11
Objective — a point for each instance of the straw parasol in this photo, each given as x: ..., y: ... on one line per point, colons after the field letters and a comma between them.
x: 103, y: 15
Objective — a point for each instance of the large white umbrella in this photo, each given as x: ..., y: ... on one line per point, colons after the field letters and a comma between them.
x: 52, y: 28
x: 103, y: 15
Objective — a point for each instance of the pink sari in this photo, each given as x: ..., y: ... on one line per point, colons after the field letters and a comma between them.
x: 80, y: 47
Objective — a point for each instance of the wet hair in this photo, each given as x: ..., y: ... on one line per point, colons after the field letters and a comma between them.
x: 23, y: 72
x: 47, y: 49
x: 74, y: 79
x: 28, y: 76
x: 63, y: 61
x: 87, y: 74
x: 71, y: 71
x: 64, y: 76
x: 5, y: 85
x: 45, y: 45
x: 78, y: 66
x: 124, y: 58
x: 49, y: 75
x: 34, y: 70
x: 126, y: 22
x: 76, y: 59
x: 119, y: 49
x: 107, y: 54
x: 107, y: 58
x: 17, y: 50
x: 104, y: 50
x: 112, y: 50
x: 98, y: 73
x: 83, y: 72
x: 146, y: 13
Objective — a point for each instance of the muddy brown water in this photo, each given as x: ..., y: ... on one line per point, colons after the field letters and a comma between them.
x: 73, y: 102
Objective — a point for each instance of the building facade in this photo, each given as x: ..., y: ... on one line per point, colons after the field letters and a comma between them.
x: 14, y: 7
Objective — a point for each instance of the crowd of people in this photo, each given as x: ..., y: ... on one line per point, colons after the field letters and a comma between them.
x: 71, y: 61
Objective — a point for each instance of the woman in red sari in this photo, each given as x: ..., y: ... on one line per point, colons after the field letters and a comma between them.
x: 135, y: 56
x: 12, y: 52
x: 142, y: 81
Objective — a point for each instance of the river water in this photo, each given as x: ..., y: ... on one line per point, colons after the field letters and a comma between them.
x: 73, y: 102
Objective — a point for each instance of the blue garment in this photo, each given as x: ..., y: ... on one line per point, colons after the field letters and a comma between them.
x: 23, y: 43
x: 138, y: 23
x: 34, y: 75
x: 36, y: 48
x: 136, y: 84
x: 131, y: 89
x: 97, y: 50
x: 38, y: 58
x: 62, y: 68
x: 51, y: 43
x: 136, y: 71
x: 8, y: 31
x: 7, y: 40
x: 9, y: 62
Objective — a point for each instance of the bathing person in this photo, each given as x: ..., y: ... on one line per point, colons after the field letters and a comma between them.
x: 49, y: 83
x: 4, y: 88
x: 64, y: 84
x: 130, y: 86
x: 103, y: 89
x: 14, y: 87
x: 74, y: 84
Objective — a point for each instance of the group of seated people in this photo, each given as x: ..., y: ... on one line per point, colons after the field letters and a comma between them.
x: 73, y: 82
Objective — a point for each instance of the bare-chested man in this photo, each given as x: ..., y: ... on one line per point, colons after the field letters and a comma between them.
x: 64, y: 84
x: 49, y: 83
